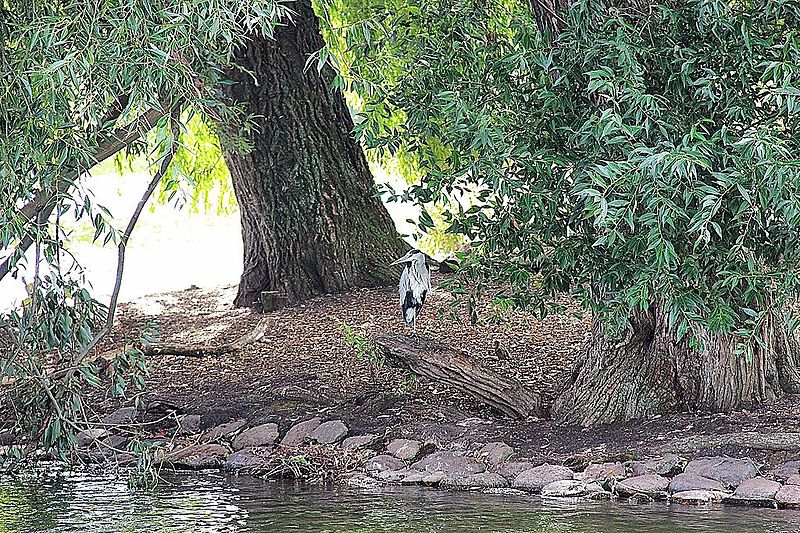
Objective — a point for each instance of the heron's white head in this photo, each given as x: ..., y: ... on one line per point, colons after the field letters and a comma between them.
x: 412, y: 255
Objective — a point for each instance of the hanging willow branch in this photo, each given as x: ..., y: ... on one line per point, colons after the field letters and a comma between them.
x: 166, y: 160
x: 38, y: 210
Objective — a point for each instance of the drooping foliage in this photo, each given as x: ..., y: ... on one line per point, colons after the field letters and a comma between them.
x: 80, y: 81
x: 645, y: 155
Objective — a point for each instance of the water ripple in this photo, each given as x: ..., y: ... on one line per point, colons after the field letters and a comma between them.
x: 63, y: 502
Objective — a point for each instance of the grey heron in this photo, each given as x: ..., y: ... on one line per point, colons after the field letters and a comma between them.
x: 415, y: 282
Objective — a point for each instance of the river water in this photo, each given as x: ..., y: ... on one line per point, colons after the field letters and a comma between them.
x: 210, y: 502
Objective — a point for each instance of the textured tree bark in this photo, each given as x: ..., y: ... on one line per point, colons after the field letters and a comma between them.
x: 312, y: 222
x: 650, y: 372
x: 549, y: 15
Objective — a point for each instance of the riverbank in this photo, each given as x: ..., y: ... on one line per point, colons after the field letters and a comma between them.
x: 327, y: 451
x: 305, y: 368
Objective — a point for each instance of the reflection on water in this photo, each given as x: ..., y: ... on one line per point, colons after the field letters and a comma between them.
x: 208, y: 502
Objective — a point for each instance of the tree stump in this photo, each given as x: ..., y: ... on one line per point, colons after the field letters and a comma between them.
x: 272, y: 301
x: 455, y: 368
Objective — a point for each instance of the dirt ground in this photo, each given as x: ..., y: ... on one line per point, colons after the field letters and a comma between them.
x: 305, y: 366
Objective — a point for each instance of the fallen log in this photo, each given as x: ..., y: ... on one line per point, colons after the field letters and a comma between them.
x: 455, y: 368
x: 200, y: 350
x: 102, y: 360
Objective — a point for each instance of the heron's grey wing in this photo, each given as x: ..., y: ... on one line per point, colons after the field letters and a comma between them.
x: 407, y: 302
x: 405, y: 284
x: 425, y: 284
x: 419, y: 282
x: 427, y: 277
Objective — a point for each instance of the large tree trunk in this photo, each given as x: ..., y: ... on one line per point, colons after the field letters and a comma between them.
x: 649, y: 372
x: 312, y: 221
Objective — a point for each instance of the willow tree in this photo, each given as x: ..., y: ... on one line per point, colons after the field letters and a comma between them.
x: 312, y: 222
x: 639, y: 156
x: 78, y: 83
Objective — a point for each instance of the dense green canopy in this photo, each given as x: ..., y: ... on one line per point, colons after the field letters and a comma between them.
x: 646, y: 155
x: 634, y: 154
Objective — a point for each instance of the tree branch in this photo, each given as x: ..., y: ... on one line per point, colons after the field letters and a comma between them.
x: 547, y: 14
x: 41, y: 207
x: 444, y: 364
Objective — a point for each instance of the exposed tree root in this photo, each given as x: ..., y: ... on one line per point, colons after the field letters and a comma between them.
x: 650, y: 371
x: 446, y: 365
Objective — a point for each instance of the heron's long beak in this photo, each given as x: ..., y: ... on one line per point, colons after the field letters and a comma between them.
x: 401, y: 260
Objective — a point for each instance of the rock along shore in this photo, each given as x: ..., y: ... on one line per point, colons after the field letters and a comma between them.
x: 317, y: 449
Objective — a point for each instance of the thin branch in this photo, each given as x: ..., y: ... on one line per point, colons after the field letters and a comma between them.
x: 112, y: 306
x: 70, y: 422
x: 547, y: 15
